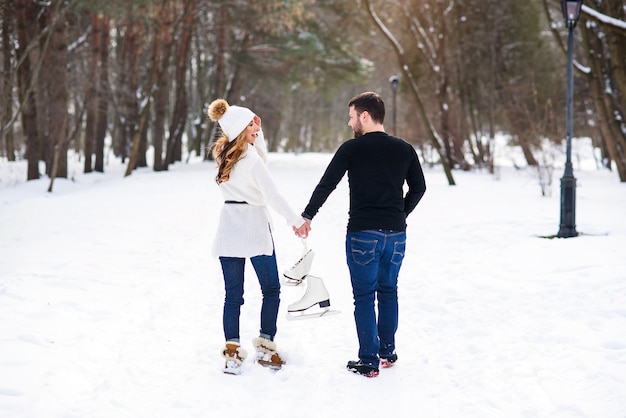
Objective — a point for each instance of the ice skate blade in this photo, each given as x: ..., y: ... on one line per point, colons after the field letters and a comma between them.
x: 299, y: 315
x: 290, y: 281
x: 325, y: 304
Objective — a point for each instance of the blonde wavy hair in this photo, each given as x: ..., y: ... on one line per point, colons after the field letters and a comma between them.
x: 226, y: 153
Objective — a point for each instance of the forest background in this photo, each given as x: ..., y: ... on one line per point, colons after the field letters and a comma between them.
x: 117, y: 78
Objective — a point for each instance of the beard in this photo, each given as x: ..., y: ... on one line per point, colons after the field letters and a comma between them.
x: 358, y: 129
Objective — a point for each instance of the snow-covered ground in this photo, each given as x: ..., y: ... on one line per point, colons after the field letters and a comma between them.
x: 111, y: 304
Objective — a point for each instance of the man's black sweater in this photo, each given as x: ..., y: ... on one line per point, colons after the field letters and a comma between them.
x: 378, y: 165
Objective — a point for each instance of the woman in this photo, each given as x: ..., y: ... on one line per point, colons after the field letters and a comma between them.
x: 244, y: 229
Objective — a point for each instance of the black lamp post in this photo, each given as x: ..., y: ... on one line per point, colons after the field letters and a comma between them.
x: 567, y: 228
x: 393, y: 80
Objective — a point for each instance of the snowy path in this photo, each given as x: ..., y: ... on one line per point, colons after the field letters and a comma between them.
x: 110, y: 303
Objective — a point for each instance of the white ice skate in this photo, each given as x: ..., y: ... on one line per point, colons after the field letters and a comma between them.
x: 315, y: 294
x: 298, y: 272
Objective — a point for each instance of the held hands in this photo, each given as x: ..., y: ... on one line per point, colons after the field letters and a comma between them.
x: 304, y: 229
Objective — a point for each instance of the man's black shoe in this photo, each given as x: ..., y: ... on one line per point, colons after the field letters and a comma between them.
x: 388, y: 360
x: 364, y: 370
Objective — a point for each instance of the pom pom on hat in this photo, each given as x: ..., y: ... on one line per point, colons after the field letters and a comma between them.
x: 232, y: 119
x: 217, y: 109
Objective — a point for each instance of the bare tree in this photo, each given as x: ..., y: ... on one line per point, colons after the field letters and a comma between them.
x: 179, y: 114
x: 102, y: 92
x: 56, y: 60
x: 404, y: 63
x: 25, y: 20
x: 603, y: 34
x: 7, y: 16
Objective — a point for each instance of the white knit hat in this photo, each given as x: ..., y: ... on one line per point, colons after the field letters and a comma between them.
x: 235, y: 120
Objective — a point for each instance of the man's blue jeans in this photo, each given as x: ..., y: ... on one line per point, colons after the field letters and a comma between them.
x: 374, y: 258
x: 267, y: 273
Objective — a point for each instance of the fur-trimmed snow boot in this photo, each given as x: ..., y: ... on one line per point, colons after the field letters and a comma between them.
x: 234, y: 355
x: 316, y: 293
x: 298, y: 272
x: 266, y: 354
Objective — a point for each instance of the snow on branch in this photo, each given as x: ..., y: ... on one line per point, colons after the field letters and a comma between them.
x: 608, y: 20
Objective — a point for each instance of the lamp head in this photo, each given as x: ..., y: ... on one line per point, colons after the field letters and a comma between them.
x: 393, y: 80
x: 571, y: 11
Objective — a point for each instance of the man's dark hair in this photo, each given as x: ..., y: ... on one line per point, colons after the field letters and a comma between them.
x: 370, y: 102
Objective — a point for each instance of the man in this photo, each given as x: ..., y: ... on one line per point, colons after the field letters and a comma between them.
x: 378, y: 166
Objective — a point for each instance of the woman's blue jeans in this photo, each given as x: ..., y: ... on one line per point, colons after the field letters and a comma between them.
x: 374, y: 259
x: 267, y: 273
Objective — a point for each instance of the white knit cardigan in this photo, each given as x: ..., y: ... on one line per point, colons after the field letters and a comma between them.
x: 244, y: 230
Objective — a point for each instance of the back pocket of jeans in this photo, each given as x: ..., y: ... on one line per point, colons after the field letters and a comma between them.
x: 362, y: 250
x: 398, y: 252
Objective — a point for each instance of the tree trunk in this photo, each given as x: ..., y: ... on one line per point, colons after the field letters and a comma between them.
x: 141, y: 160
x: 145, y: 111
x: 220, y: 72
x: 198, y: 90
x: 8, y: 17
x: 103, y: 100
x: 179, y: 116
x: 608, y: 123
x: 136, y: 139
x: 161, y: 95
x: 26, y: 19
x: 617, y: 47
x: 131, y: 103
x: 91, y: 96
x: 617, y: 64
x: 57, y: 53
x: 527, y: 149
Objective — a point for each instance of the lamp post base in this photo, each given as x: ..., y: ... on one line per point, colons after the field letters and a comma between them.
x: 567, y: 232
x: 567, y: 229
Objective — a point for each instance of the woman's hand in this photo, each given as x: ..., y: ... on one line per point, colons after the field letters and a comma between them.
x: 304, y: 229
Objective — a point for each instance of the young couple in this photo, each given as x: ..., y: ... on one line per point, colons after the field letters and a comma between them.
x: 378, y: 167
